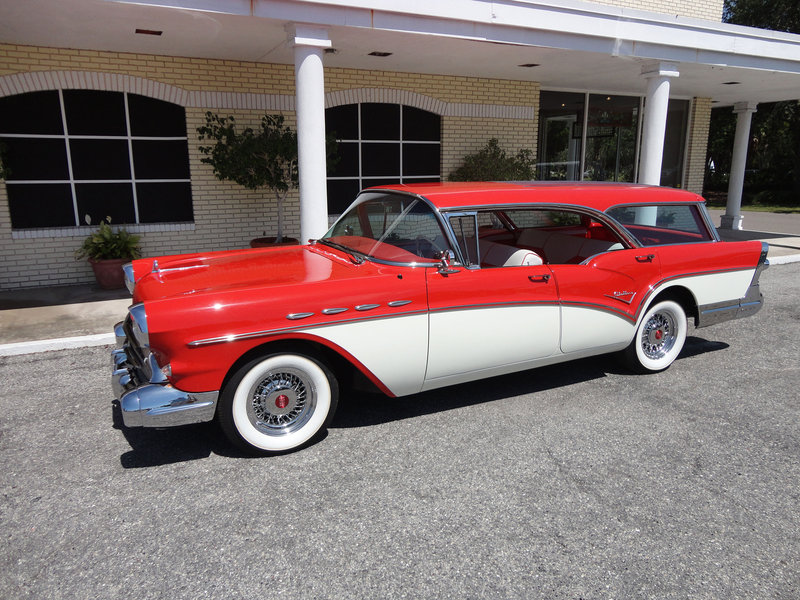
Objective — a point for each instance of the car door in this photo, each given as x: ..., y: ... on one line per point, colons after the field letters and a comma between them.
x: 601, y: 298
x: 489, y: 321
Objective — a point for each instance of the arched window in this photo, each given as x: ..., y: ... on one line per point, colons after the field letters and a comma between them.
x: 379, y: 144
x: 73, y: 153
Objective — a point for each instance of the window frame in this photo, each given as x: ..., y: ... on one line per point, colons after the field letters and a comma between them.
x: 129, y: 139
x: 365, y: 181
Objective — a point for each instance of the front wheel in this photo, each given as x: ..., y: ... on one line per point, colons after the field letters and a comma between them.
x: 278, y: 403
x: 659, y: 338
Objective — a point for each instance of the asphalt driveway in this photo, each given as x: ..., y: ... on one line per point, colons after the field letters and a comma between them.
x: 573, y: 481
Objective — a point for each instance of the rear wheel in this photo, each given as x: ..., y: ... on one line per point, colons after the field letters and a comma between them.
x: 278, y: 403
x: 659, y: 338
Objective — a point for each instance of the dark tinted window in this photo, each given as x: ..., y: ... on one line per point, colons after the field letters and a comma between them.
x: 342, y: 121
x: 380, y: 121
x: 58, y: 176
x: 40, y: 205
x: 100, y: 159
x: 35, y: 113
x: 160, y: 159
x: 95, y: 113
x: 155, y: 118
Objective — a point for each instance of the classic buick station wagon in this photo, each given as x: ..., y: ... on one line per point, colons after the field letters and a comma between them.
x: 416, y: 287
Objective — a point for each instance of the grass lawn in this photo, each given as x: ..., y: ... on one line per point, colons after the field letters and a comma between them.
x: 759, y: 208
x: 719, y: 200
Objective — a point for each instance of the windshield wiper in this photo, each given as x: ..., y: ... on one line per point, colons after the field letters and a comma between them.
x: 354, y: 256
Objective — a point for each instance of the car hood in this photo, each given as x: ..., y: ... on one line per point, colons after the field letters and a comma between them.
x: 188, y: 274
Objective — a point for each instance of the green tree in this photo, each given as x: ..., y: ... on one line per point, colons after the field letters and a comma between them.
x: 773, y: 161
x: 254, y: 158
x: 491, y: 163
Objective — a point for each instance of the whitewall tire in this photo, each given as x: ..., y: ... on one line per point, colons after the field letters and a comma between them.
x: 278, y: 403
x: 659, y: 338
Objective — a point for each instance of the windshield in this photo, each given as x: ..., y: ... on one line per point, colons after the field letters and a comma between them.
x: 389, y: 227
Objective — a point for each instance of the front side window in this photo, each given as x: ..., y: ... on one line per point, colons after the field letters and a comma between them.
x: 389, y: 227
x: 654, y: 225
x: 78, y: 156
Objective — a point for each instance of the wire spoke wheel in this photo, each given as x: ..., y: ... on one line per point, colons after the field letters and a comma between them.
x: 278, y: 403
x: 659, y: 338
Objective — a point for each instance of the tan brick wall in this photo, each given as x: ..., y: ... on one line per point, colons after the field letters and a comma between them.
x: 698, y: 9
x: 462, y: 136
x: 697, y: 146
x: 227, y: 215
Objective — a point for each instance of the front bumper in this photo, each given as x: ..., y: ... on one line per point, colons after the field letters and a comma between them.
x: 146, y: 397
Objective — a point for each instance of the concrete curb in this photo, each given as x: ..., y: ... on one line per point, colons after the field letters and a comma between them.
x: 784, y: 260
x: 84, y: 341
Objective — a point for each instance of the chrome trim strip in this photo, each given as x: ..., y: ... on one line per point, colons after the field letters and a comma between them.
x: 169, y: 269
x: 396, y: 303
x: 363, y: 307
x: 139, y: 324
x: 296, y: 316
x: 283, y: 330
x: 333, y: 311
x: 130, y: 282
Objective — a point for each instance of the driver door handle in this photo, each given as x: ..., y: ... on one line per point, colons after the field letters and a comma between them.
x: 645, y: 258
x: 544, y: 278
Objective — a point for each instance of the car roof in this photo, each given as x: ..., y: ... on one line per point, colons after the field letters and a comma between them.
x: 600, y: 196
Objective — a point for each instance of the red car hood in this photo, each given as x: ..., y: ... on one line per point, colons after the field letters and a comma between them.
x: 171, y: 276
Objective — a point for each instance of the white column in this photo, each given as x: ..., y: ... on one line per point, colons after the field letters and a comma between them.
x: 309, y: 43
x: 732, y: 219
x: 655, y: 120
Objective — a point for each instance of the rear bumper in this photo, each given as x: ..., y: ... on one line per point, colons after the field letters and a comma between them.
x: 145, y: 395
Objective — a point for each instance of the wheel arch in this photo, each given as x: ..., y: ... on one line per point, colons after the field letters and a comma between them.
x: 346, y: 369
x: 677, y: 293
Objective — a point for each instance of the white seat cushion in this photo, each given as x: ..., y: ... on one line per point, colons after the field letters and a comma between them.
x: 500, y: 255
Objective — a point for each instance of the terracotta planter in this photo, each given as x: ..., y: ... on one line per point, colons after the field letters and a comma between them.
x: 108, y: 272
x: 269, y: 242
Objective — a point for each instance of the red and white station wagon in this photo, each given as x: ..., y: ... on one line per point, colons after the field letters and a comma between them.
x: 416, y: 287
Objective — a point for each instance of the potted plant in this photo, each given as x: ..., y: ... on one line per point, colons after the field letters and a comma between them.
x: 107, y: 250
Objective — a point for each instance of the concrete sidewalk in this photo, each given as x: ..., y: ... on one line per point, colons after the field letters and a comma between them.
x: 37, y: 320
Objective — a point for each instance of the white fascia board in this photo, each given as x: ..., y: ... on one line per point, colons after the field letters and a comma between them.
x: 562, y: 24
x: 566, y: 25
x: 227, y: 7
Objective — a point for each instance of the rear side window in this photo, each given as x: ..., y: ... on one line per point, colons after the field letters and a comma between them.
x: 655, y: 225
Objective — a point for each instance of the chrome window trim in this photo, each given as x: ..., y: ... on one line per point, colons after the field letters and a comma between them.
x: 434, y: 209
x: 611, y: 223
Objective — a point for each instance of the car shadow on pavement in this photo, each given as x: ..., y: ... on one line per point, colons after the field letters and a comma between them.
x: 364, y: 409
x: 157, y: 447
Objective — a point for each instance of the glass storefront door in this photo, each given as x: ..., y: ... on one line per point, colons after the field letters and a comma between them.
x: 560, y: 116
x: 607, y: 148
x: 611, y: 138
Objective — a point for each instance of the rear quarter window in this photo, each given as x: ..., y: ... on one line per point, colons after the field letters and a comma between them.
x: 654, y: 225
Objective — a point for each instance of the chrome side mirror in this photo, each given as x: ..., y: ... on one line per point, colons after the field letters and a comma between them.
x: 446, y: 258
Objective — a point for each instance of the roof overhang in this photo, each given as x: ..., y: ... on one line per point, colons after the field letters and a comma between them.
x: 573, y: 45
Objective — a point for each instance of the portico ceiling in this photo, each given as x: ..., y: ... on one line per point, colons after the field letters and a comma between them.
x: 574, y: 45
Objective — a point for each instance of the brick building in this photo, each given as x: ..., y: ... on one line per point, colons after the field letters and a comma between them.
x: 100, y: 102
